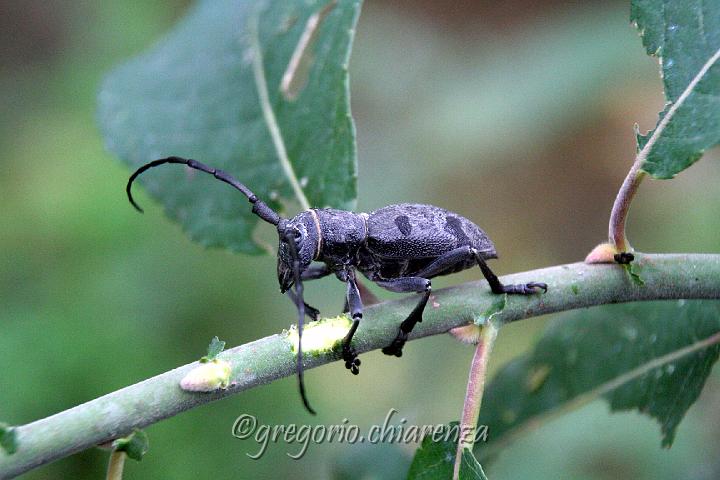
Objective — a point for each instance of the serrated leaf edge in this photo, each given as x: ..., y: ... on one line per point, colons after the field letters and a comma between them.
x: 581, y: 400
x: 642, y: 156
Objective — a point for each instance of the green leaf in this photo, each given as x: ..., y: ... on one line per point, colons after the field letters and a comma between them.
x: 686, y: 38
x: 134, y: 445
x: 369, y: 461
x: 470, y: 468
x: 216, y: 346
x: 8, y: 438
x: 195, y: 95
x: 435, y: 460
x: 653, y: 357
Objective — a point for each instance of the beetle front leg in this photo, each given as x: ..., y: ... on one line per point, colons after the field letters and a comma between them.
x: 355, y: 308
x: 313, y: 272
x: 497, y: 287
x: 310, y: 311
x: 402, y: 285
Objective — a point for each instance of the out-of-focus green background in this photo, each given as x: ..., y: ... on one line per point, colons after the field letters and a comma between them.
x: 516, y: 114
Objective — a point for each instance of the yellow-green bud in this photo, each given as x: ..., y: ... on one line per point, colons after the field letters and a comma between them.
x: 207, y: 377
x: 321, y: 336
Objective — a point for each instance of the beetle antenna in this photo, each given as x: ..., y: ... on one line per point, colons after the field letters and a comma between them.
x: 301, y: 315
x: 260, y: 208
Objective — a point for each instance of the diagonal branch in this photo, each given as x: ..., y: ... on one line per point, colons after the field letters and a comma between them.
x: 570, y: 286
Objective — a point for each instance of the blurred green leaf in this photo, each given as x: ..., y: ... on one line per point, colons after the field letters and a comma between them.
x: 653, y: 357
x: 195, y: 94
x: 470, y: 468
x: 369, y: 461
x: 685, y: 36
x: 8, y: 438
x: 216, y: 346
x: 134, y: 445
x: 435, y: 460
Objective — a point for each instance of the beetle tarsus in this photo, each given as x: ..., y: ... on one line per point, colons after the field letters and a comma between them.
x: 524, y: 288
x: 352, y: 363
x: 497, y: 287
x: 537, y: 285
x: 349, y: 354
x: 312, y: 313
x: 395, y: 348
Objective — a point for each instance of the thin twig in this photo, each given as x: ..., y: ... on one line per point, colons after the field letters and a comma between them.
x: 116, y: 465
x: 618, y: 216
x: 474, y: 393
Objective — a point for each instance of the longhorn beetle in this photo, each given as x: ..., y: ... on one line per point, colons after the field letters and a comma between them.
x: 399, y: 247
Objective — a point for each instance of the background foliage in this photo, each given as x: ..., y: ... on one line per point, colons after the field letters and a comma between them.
x: 518, y: 116
x: 208, y: 64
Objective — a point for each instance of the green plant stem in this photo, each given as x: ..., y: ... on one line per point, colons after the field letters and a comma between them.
x: 474, y: 393
x: 618, y: 215
x: 116, y: 465
x: 570, y: 286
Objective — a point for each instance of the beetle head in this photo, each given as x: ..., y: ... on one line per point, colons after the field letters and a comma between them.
x: 303, y: 233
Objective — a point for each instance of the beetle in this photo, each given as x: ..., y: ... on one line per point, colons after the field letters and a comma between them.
x: 398, y: 247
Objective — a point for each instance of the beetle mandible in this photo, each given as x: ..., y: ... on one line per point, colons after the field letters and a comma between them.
x: 399, y: 247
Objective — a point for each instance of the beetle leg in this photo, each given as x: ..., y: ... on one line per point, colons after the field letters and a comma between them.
x: 401, y: 285
x: 310, y: 311
x: 313, y: 272
x: 461, y: 254
x: 446, y: 261
x: 497, y: 287
x: 355, y: 308
x: 367, y: 297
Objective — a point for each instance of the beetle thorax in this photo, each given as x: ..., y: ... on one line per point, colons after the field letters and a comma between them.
x: 342, y: 234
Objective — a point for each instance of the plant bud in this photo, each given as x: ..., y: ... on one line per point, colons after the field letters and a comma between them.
x: 207, y: 377
x: 603, y: 253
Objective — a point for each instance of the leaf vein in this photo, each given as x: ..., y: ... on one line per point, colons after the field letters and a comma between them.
x: 269, y: 114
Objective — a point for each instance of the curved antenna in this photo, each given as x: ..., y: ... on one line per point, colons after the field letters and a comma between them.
x: 290, y: 239
x: 260, y: 208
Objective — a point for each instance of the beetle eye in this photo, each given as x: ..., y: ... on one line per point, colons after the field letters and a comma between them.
x: 293, y: 234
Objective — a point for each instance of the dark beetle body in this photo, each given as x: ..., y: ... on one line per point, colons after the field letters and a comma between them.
x: 398, y: 247
x: 404, y: 239
x: 389, y: 243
